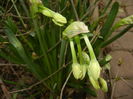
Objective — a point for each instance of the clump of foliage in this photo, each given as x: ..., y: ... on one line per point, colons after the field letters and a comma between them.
x: 42, y: 45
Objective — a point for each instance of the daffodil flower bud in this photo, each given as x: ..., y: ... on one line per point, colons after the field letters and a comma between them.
x: 94, y: 69
x: 94, y: 83
x: 38, y: 7
x: 86, y: 58
x: 83, y: 69
x: 77, y: 71
x: 74, y: 29
x: 59, y: 19
x: 103, y: 84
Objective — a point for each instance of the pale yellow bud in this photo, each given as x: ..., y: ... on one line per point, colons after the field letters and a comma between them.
x: 103, y: 84
x: 86, y: 58
x: 83, y: 69
x: 94, y: 69
x: 59, y: 19
x: 94, y: 83
x: 77, y: 72
x: 74, y: 29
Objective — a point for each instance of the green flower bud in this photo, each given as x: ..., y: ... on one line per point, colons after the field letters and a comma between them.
x: 94, y: 69
x: 83, y: 69
x: 108, y: 58
x: 94, y: 83
x: 59, y: 19
x: 77, y: 72
x: 86, y: 58
x: 103, y: 84
x: 74, y: 29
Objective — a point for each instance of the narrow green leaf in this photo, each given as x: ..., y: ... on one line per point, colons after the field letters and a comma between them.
x: 105, y: 31
x: 9, y: 57
x: 16, y: 43
x: 110, y: 20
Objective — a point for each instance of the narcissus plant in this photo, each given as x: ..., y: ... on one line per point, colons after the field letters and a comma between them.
x: 82, y: 62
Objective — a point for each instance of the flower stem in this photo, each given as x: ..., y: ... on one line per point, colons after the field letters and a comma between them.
x: 92, y: 54
x: 77, y: 39
x: 73, y: 52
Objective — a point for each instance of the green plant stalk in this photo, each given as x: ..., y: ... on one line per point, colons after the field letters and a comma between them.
x: 44, y: 53
x: 74, y: 58
x: 117, y: 36
x: 54, y: 52
x: 62, y: 52
x: 42, y: 46
x: 92, y: 54
x: 77, y: 39
x: 61, y: 62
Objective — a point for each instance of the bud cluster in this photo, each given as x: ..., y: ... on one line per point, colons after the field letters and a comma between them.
x: 38, y: 7
x: 84, y: 63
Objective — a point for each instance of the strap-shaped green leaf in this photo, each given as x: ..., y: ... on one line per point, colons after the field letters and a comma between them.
x: 19, y: 48
x: 110, y: 20
x: 105, y: 31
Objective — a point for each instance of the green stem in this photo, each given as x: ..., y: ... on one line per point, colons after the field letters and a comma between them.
x: 92, y: 54
x: 61, y: 62
x: 77, y: 39
x: 73, y: 52
x: 46, y: 60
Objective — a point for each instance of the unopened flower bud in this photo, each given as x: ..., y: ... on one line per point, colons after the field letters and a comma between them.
x: 77, y: 72
x: 83, y: 69
x: 86, y: 58
x: 74, y: 29
x: 94, y: 69
x: 103, y: 84
x: 59, y: 19
x: 94, y: 83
